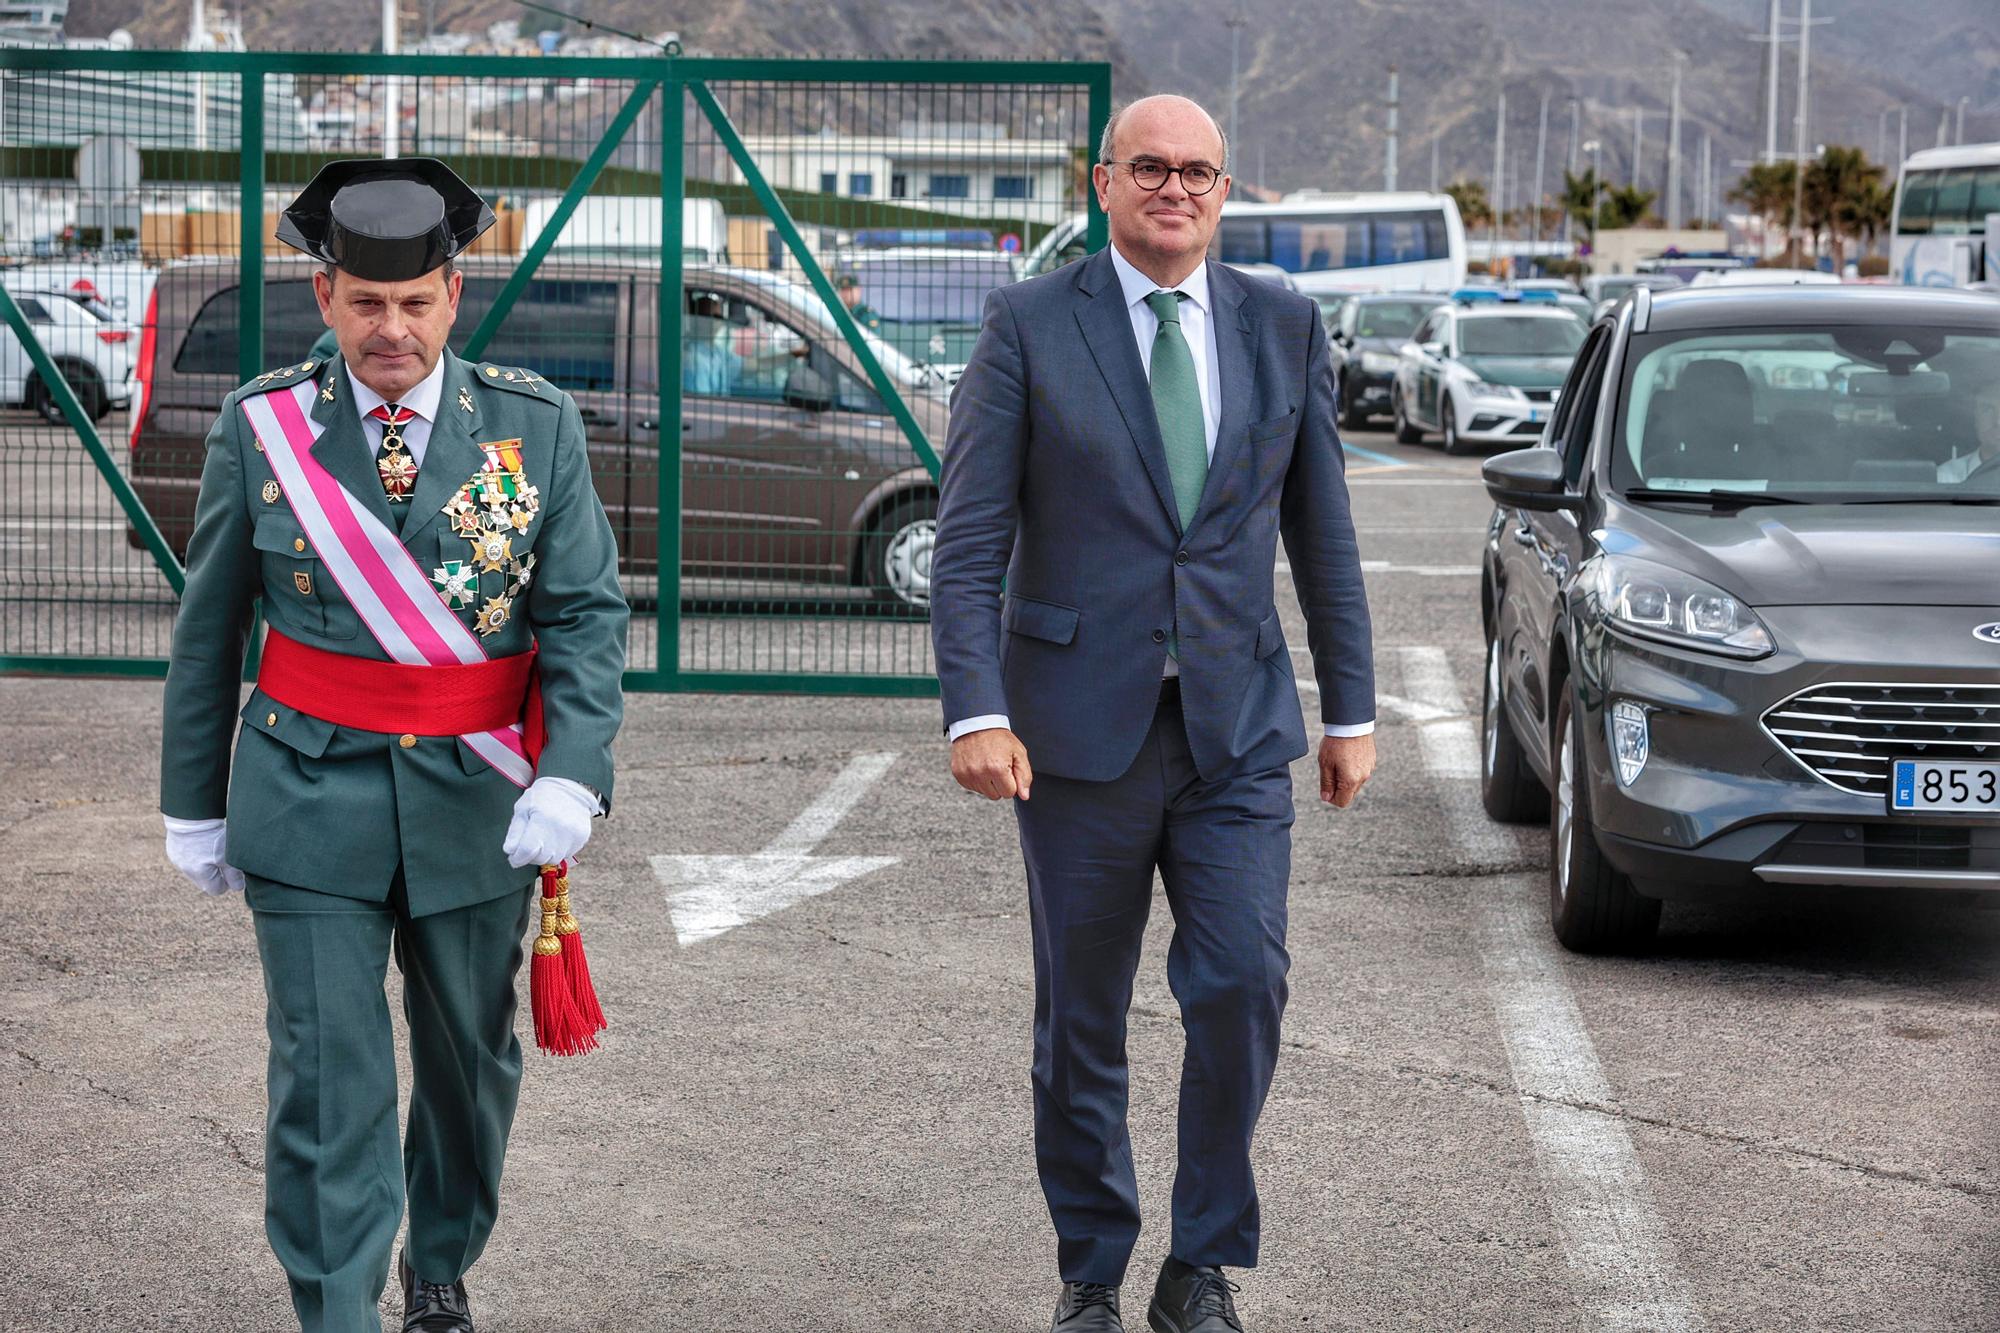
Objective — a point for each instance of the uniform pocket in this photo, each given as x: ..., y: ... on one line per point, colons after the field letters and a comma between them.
x: 294, y: 579
x: 288, y: 726
x: 1273, y: 427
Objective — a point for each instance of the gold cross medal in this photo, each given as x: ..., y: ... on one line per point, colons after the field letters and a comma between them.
x: 493, y: 616
x: 492, y: 550
x: 464, y: 514
x: 457, y: 582
x: 520, y: 573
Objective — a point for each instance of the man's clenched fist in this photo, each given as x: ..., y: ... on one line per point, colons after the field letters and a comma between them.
x: 992, y: 763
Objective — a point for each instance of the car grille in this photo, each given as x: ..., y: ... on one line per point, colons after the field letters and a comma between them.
x: 1539, y: 395
x: 1848, y: 734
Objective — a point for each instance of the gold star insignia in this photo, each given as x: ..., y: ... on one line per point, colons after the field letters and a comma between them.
x: 493, y: 551
x: 494, y: 615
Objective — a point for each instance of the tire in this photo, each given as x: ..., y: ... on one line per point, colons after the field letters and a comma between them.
x: 1350, y: 417
x: 83, y: 382
x: 1449, y: 421
x: 1406, y: 431
x: 1592, y: 907
x: 896, y: 557
x: 1508, y: 787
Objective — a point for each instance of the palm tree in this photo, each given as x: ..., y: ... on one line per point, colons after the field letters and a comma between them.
x: 1866, y: 211
x: 1579, y: 198
x: 1833, y: 185
x: 1474, y: 209
x: 1625, y: 205
x: 1766, y: 190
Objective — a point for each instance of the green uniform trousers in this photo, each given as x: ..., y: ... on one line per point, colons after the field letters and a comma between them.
x: 334, y: 1190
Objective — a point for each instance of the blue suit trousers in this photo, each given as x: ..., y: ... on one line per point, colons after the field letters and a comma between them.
x: 1223, y: 851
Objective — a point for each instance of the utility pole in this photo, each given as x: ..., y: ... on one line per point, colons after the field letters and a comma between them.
x: 1806, y: 22
x: 1235, y: 24
x: 1771, y: 90
x: 1707, y: 180
x: 1595, y: 149
x: 1882, y: 134
x: 1575, y: 123
x: 1675, y: 217
x: 1541, y: 150
x: 1638, y: 138
x: 1961, y: 119
x: 1902, y: 136
x: 1499, y: 165
x: 391, y: 92
x: 1389, y: 169
x: 1434, y: 164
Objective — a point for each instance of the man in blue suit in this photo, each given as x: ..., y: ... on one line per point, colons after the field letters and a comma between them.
x: 1130, y: 438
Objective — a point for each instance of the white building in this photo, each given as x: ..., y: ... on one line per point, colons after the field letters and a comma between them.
x: 968, y: 170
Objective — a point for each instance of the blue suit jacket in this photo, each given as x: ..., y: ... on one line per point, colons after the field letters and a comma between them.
x: 1055, y: 480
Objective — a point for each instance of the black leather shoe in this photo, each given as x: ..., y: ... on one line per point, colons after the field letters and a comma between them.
x: 1192, y: 1300
x: 432, y: 1307
x: 1087, y: 1307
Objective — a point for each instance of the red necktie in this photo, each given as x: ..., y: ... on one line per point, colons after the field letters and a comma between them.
x: 392, y: 461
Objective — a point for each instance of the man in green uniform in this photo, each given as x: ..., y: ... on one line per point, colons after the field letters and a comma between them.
x: 848, y: 288
x: 412, y: 834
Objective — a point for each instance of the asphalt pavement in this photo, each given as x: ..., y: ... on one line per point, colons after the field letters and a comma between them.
x: 812, y: 1109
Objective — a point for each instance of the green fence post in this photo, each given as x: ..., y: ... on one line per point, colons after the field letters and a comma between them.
x: 475, y: 346
x: 1098, y: 232
x: 86, y: 431
x: 774, y: 207
x: 673, y: 132
x: 250, y: 320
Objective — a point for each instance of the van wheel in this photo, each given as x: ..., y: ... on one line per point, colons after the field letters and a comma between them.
x: 1592, y: 907
x: 1405, y: 432
x: 1508, y: 787
x: 83, y: 382
x: 896, y: 562
x: 1351, y: 417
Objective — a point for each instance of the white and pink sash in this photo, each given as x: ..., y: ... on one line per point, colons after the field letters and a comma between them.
x: 372, y: 567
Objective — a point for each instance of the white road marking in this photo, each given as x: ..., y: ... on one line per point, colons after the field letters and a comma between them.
x: 711, y: 895
x: 1617, y: 1248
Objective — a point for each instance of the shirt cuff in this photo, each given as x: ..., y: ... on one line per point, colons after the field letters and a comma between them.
x: 984, y: 722
x: 1346, y: 729
x: 183, y: 827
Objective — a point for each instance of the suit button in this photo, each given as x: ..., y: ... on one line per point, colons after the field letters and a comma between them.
x: 298, y: 543
x: 1159, y: 636
x: 270, y: 719
x: 408, y: 742
x: 1180, y: 557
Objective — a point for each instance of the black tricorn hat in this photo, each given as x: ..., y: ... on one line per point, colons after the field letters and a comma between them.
x: 385, y: 220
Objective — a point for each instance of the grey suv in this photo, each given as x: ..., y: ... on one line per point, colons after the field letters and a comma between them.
x: 1742, y: 605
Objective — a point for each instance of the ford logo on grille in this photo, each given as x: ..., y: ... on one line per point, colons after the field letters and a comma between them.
x: 1987, y: 633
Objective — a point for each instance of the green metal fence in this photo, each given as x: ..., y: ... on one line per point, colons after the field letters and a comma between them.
x: 764, y: 432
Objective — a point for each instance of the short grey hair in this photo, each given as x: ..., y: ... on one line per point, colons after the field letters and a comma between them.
x: 1104, y: 142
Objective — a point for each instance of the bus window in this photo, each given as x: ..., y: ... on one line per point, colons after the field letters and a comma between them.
x: 1919, y: 192
x: 1952, y: 207
x: 1985, y: 196
x: 1301, y: 246
x: 1401, y: 239
x: 1243, y: 242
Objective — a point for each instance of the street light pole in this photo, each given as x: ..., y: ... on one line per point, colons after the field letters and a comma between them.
x: 1499, y: 165
x: 1434, y: 164
x: 1389, y: 169
x: 1595, y: 149
x: 1638, y: 138
x: 1675, y: 217
x: 1771, y: 91
x: 1235, y: 25
x: 1961, y: 118
x: 1541, y: 149
x: 1575, y: 124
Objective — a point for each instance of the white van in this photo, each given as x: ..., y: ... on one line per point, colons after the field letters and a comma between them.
x: 628, y: 227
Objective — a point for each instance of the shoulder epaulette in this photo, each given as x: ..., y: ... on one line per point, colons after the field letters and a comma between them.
x: 519, y: 380
x: 279, y: 378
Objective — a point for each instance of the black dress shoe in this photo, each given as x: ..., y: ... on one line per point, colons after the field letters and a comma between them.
x: 1087, y: 1307
x: 432, y: 1307
x: 1192, y: 1300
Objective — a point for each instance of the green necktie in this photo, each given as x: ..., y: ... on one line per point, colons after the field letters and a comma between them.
x: 1177, y: 404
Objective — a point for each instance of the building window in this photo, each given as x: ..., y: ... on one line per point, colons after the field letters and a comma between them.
x: 950, y: 187
x: 861, y: 184
x: 899, y: 186
x: 1013, y: 187
x: 829, y: 182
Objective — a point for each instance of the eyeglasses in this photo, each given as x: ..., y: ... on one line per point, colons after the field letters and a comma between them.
x: 1197, y: 178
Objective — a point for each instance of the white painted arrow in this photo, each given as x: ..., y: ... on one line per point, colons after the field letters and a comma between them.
x: 710, y: 895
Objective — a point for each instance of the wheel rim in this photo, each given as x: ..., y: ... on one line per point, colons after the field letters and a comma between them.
x: 1565, y: 811
x: 906, y: 563
x: 1490, y: 748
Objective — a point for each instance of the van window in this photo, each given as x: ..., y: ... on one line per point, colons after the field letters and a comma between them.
x: 291, y: 325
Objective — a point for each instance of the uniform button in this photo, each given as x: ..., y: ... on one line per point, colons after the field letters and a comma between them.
x: 298, y: 543
x: 408, y: 742
x: 270, y: 719
x: 1180, y: 557
x: 1159, y: 636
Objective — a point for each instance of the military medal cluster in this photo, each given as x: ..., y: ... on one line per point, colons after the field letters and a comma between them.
x: 489, y: 511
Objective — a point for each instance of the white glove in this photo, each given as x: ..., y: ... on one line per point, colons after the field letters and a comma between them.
x: 195, y: 847
x: 551, y: 823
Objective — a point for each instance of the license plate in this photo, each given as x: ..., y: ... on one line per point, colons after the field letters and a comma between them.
x: 1925, y: 785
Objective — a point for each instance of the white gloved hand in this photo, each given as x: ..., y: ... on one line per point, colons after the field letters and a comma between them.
x: 195, y: 846
x: 551, y: 823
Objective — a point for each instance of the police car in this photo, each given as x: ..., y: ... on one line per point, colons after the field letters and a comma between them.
x: 1484, y: 369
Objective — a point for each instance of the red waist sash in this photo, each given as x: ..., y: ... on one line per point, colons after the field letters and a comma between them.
x: 389, y: 697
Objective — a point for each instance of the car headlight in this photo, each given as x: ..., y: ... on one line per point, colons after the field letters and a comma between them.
x: 1377, y: 363
x: 1481, y: 389
x: 1657, y: 601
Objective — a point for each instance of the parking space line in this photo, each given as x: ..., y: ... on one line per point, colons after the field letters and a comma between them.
x: 711, y: 895
x: 1612, y: 1237
x: 1387, y: 460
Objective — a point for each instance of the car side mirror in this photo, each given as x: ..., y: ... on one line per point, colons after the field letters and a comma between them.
x: 1435, y: 349
x: 1529, y: 479
x: 807, y: 389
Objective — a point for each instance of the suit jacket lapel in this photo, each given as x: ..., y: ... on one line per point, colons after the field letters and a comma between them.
x: 450, y: 458
x: 1235, y: 379
x: 1107, y: 332
x: 343, y: 448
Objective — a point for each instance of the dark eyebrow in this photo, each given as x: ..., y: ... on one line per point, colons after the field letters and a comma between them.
x: 1154, y: 157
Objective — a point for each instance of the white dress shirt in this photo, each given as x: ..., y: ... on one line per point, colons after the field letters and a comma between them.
x: 1198, y: 328
x: 422, y: 399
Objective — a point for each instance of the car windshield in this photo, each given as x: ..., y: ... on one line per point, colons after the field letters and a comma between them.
x: 1519, y: 335
x: 1391, y: 319
x: 1840, y: 414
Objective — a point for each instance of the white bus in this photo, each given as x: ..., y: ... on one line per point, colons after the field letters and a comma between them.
x: 1332, y: 242
x: 1406, y: 241
x: 1943, y: 233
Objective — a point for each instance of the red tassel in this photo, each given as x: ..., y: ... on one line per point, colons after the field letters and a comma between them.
x: 560, y: 1027
x: 583, y: 994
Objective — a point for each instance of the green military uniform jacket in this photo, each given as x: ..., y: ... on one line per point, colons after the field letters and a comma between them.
x: 336, y: 809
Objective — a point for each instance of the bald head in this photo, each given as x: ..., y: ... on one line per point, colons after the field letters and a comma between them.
x: 1170, y: 105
